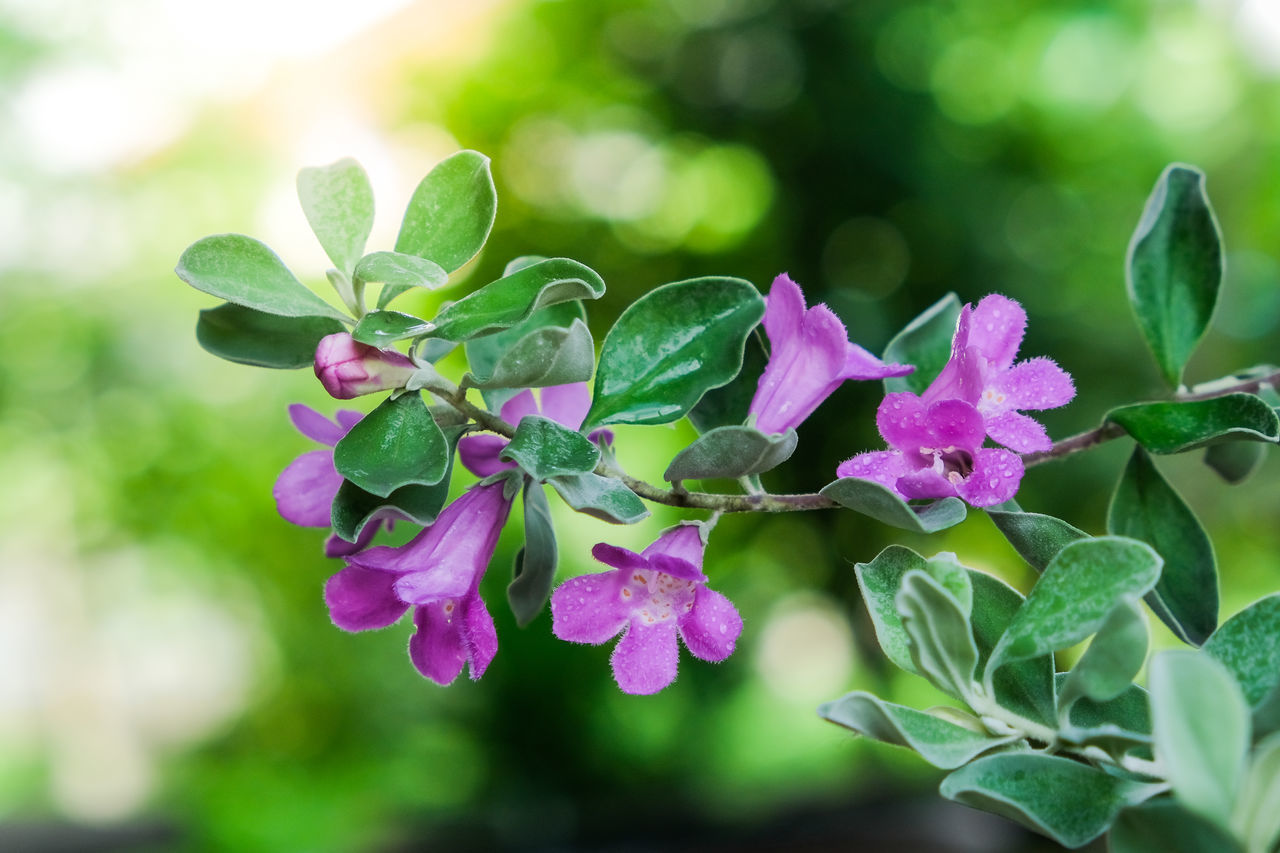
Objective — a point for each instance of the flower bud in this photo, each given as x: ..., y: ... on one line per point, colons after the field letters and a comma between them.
x: 348, y: 369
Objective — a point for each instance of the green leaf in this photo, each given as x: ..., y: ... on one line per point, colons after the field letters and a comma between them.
x: 924, y: 342
x: 1114, y: 657
x: 1248, y: 645
x: 383, y: 328
x: 451, y: 211
x: 1037, y: 538
x: 882, y: 504
x: 1201, y: 727
x: 1177, y: 427
x: 246, y: 336
x: 243, y: 270
x: 1070, y: 802
x: 338, y: 203
x: 510, y: 300
x: 671, y: 346
x: 731, y: 451
x: 940, y: 742
x: 600, y: 497
x: 1117, y: 725
x: 400, y: 271
x: 1257, y: 813
x: 536, y: 563
x: 939, y: 638
x: 552, y: 355
x: 728, y: 404
x: 544, y: 449
x: 1234, y: 461
x: 395, y: 445
x: 485, y: 353
x: 1145, y: 507
x: 1164, y: 826
x: 1025, y: 687
x: 1174, y: 268
x: 1075, y: 595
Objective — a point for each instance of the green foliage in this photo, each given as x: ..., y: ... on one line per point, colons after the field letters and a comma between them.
x: 1146, y: 507
x: 383, y: 328
x: 728, y: 405
x: 246, y: 336
x: 924, y: 342
x: 450, y: 212
x: 670, y: 347
x: 1185, y: 425
x: 243, y: 270
x: 1036, y: 537
x: 1175, y: 268
x: 882, y: 504
x: 400, y: 271
x: 535, y: 567
x: 544, y: 449
x: 1070, y: 802
x: 513, y: 298
x: 731, y: 451
x: 397, y: 444
x: 338, y: 203
x: 600, y: 497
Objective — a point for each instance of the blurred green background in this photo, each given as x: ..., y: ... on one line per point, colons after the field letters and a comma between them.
x: 169, y: 678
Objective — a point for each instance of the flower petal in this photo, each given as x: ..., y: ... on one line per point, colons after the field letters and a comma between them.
x: 566, y: 404
x: 710, y: 630
x: 644, y: 660
x: 997, y: 328
x: 436, y: 647
x: 861, y: 364
x: 684, y: 542
x: 618, y: 557
x: 956, y: 423
x: 439, y: 583
x: 362, y: 599
x: 802, y: 371
x: 479, y: 454
x: 314, y: 425
x: 879, y: 466
x: 784, y: 310
x: 305, y: 489
x: 336, y: 546
x: 925, y: 484
x: 478, y: 635
x: 518, y: 406
x: 902, y: 419
x: 995, y: 478
x: 348, y: 418
x: 1037, y: 383
x: 1018, y: 432
x: 589, y: 608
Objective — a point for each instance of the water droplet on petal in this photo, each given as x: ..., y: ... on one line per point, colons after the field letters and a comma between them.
x: 724, y: 629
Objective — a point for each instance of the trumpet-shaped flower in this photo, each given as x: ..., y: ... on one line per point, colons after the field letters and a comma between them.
x: 937, y: 453
x: 981, y: 371
x: 438, y: 574
x: 305, y: 489
x: 810, y: 356
x: 653, y: 598
x: 348, y: 368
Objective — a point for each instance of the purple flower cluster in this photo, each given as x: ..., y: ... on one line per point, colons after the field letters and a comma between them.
x: 936, y: 438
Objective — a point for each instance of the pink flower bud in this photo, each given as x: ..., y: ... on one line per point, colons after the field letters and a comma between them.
x: 348, y: 369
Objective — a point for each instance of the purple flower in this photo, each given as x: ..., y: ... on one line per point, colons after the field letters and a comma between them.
x: 305, y: 489
x: 937, y: 453
x: 811, y: 355
x: 981, y: 371
x: 565, y: 404
x: 653, y: 597
x: 437, y: 573
x: 348, y: 369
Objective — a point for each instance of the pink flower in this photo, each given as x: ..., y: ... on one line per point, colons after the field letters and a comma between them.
x: 348, y: 369
x: 937, y: 453
x: 811, y: 355
x: 438, y: 574
x: 981, y: 371
x: 564, y: 404
x: 653, y: 598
